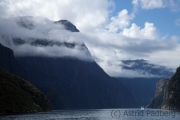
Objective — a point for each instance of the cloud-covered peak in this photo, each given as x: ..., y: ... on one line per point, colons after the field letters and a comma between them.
x: 38, y: 36
x: 68, y: 25
x: 110, y: 34
x: 145, y: 69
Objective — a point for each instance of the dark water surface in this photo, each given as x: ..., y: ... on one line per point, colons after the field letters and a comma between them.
x: 99, y: 114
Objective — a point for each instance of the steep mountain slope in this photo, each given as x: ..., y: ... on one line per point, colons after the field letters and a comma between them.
x: 20, y: 96
x: 9, y: 63
x: 172, y: 95
x: 79, y: 84
x: 167, y: 93
x: 161, y: 87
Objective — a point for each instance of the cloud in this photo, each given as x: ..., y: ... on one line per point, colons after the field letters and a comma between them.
x: 174, y: 5
x: 148, y: 32
x: 119, y: 22
x: 149, y: 4
x: 109, y: 40
x: 43, y: 30
x: 86, y: 15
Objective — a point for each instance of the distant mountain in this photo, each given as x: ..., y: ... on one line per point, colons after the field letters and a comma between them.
x: 143, y: 86
x: 146, y: 69
x: 20, y: 96
x: 142, y: 89
x: 78, y: 83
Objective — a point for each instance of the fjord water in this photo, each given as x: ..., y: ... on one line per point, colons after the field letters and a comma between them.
x: 99, y: 114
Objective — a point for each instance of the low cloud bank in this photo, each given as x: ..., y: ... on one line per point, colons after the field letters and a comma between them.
x: 38, y: 36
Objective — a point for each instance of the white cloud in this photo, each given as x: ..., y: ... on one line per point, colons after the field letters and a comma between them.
x: 85, y: 14
x: 174, y: 5
x: 121, y: 21
x: 43, y: 29
x: 169, y: 58
x: 109, y: 40
x: 149, y: 4
x: 148, y: 32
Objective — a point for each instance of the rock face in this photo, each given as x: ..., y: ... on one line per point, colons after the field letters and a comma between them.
x: 172, y: 95
x: 20, y: 96
x: 161, y: 88
x: 167, y: 93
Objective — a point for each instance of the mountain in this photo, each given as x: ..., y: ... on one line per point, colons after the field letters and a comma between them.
x: 9, y: 63
x: 146, y: 69
x: 172, y: 94
x: 167, y: 93
x: 77, y: 83
x: 142, y: 89
x: 20, y: 96
x: 143, y: 85
x: 161, y: 87
x: 68, y: 25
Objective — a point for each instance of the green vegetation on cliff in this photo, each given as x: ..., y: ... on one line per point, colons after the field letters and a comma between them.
x: 172, y: 98
x: 20, y: 96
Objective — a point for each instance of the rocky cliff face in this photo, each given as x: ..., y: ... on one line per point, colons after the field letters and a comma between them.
x: 172, y: 94
x: 167, y: 93
x: 161, y: 88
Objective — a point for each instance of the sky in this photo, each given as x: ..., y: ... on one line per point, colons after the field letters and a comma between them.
x: 113, y: 30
